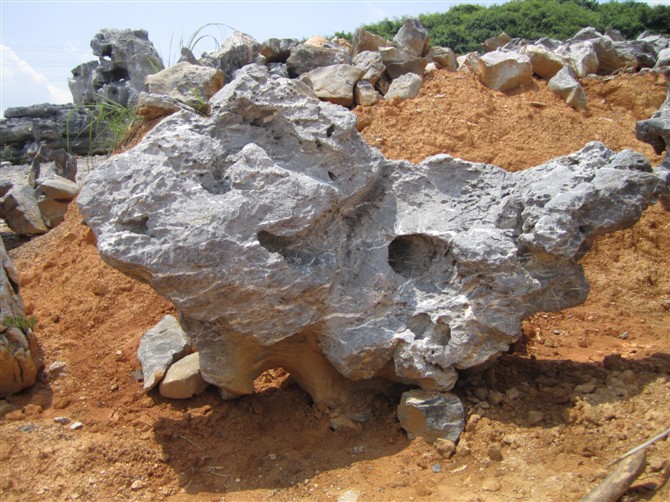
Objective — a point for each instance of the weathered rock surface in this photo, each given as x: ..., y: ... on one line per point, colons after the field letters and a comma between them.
x: 152, y: 106
x: 406, y: 86
x: 284, y: 239
x: 277, y: 50
x: 431, y: 415
x: 503, y: 71
x: 188, y: 83
x: 183, y: 379
x: 162, y: 345
x: 20, y: 360
x: 366, y: 41
x: 126, y: 58
x: 565, y: 84
x: 582, y: 56
x: 334, y: 83
x: 494, y: 43
x: 20, y: 211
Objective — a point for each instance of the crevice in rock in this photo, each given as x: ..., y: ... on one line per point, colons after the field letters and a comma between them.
x: 289, y: 248
x: 136, y: 225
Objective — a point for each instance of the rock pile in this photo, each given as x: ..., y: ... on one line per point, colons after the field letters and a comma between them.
x: 283, y: 239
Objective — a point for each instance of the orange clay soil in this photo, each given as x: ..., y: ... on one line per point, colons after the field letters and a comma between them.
x: 582, y: 387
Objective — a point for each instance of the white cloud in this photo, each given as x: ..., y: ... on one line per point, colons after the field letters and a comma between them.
x: 21, y: 85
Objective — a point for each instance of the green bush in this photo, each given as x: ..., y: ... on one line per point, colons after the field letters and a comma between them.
x: 465, y: 27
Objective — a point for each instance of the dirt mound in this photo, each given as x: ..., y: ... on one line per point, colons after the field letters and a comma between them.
x: 594, y: 381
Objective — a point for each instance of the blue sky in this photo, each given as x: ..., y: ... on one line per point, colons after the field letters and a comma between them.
x: 42, y: 40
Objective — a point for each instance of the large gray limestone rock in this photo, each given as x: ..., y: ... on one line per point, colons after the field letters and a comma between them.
x: 284, y: 239
x: 126, y: 57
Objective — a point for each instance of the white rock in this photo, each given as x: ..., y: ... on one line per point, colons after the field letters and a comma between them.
x: 503, y: 71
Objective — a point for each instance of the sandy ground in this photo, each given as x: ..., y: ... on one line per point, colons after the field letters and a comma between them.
x: 581, y: 388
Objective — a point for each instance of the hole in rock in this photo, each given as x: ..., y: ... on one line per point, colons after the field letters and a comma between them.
x: 136, y: 226
x: 412, y: 255
x: 332, y: 176
x: 418, y: 324
x: 119, y: 74
x: 289, y: 248
x: 330, y: 130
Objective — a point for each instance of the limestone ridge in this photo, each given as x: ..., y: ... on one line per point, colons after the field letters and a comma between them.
x: 284, y: 239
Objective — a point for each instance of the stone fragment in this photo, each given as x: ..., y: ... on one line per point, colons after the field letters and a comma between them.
x: 58, y: 188
x: 305, y: 58
x: 348, y: 269
x: 494, y: 43
x: 183, y: 379
x: 468, y: 62
x: 406, y: 86
x: 365, y: 41
x: 565, y: 84
x: 349, y: 496
x: 372, y: 63
x: 444, y: 57
x: 187, y: 83
x: 277, y: 50
x: 431, y: 415
x: 334, y: 83
x: 153, y: 106
x: 365, y: 94
x: 163, y: 344
x: 412, y: 38
x: 62, y: 420
x: 545, y: 63
x: 445, y: 447
x: 236, y: 51
x: 504, y: 71
x: 582, y: 56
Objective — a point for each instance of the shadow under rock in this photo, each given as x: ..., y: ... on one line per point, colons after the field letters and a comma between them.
x: 270, y: 440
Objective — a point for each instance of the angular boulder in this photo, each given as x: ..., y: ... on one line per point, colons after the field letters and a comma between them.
x: 445, y: 57
x: 20, y: 211
x: 305, y: 58
x: 152, y: 106
x: 504, y: 71
x: 365, y: 94
x: 365, y: 41
x: 494, y: 43
x: 565, y: 84
x: 284, y: 239
x: 544, y: 62
x: 416, y: 66
x: 236, y: 51
x: 412, y: 38
x: 582, y: 57
x: 406, y: 86
x: 372, y: 63
x: 334, y: 83
x: 277, y: 50
x: 187, y: 83
x: 663, y: 59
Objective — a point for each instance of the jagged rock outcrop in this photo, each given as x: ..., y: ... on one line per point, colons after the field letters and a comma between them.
x: 20, y: 360
x: 283, y: 239
x: 125, y: 59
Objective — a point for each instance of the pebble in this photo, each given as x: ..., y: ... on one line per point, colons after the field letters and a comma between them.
x: 56, y: 368
x: 27, y: 428
x: 445, y: 447
x: 624, y: 335
x: 436, y: 468
x: 76, y: 426
x: 357, y: 449
x: 495, y: 452
x: 138, y: 484
x: 535, y: 417
x: 348, y: 496
x: 62, y: 420
x: 272, y: 456
x: 513, y: 393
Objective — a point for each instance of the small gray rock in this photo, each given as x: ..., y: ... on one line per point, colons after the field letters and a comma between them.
x: 406, y: 86
x: 431, y: 415
x: 183, y: 379
x: 159, y: 348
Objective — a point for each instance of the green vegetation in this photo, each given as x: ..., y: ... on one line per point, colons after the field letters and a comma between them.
x: 465, y: 27
x: 109, y: 125
x: 21, y: 322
